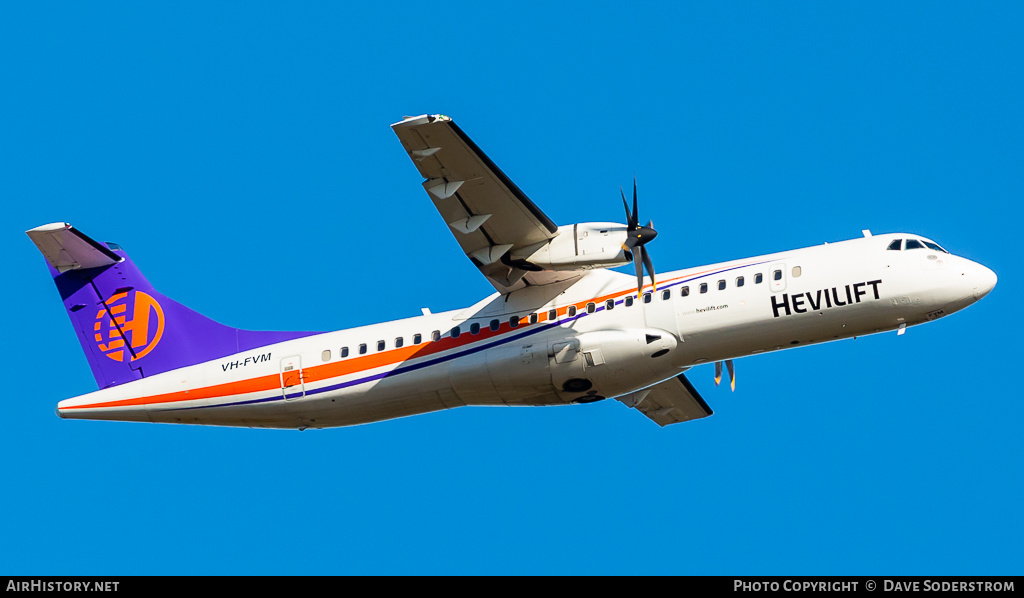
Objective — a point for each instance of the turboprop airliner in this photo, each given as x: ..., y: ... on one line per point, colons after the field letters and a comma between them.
x: 560, y: 328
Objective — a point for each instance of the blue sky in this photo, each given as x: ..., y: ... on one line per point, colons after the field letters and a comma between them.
x: 241, y: 154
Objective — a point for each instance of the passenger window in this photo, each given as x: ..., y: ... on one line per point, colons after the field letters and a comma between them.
x: 591, y: 308
x: 703, y: 287
x: 435, y: 335
x: 474, y: 328
x: 666, y: 295
x: 553, y: 314
x: 914, y: 244
x: 721, y: 285
x: 895, y: 245
x: 533, y: 318
x: 495, y: 324
x: 399, y: 342
x: 609, y: 304
x: 739, y: 281
x: 797, y: 271
x: 362, y: 349
x: 684, y: 292
x: 344, y: 352
x: 380, y: 345
x: 571, y: 311
x: 758, y: 278
x: 777, y: 275
x: 647, y: 297
x: 513, y: 321
x: 326, y: 355
x: 629, y: 301
x: 456, y: 332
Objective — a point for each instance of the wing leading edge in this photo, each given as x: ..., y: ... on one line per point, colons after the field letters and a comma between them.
x: 488, y: 214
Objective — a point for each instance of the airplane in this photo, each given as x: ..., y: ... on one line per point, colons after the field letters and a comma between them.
x: 560, y: 328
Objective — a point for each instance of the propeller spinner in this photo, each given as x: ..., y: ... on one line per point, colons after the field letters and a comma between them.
x: 636, y: 237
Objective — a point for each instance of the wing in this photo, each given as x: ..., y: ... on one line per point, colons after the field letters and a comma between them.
x: 670, y: 402
x: 488, y: 214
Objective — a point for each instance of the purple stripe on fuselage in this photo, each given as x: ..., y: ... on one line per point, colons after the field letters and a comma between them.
x: 437, y: 360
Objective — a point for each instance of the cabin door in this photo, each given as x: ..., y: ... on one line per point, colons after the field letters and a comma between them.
x: 292, y: 385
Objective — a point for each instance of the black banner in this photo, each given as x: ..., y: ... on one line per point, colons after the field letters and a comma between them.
x: 744, y: 584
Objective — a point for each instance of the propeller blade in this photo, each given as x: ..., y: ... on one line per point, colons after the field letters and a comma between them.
x: 636, y: 238
x: 649, y: 266
x: 635, y: 221
x: 732, y: 374
x: 629, y: 219
x: 718, y: 372
x: 639, y: 271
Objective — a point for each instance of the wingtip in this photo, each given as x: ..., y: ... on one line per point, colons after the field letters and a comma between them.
x: 46, y: 228
x: 422, y: 119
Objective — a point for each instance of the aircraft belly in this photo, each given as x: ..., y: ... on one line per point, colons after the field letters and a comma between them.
x: 373, y: 406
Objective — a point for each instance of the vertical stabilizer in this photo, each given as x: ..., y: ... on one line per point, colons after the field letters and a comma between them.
x: 129, y: 330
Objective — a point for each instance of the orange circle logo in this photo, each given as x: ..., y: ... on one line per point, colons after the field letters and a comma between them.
x: 114, y: 332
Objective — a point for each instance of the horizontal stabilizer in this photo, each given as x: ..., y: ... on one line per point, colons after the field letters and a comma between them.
x: 67, y: 249
x: 670, y: 402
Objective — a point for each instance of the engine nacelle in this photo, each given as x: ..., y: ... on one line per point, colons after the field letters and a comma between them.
x: 585, y: 246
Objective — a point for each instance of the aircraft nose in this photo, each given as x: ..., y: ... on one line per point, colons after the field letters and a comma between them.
x: 984, y: 281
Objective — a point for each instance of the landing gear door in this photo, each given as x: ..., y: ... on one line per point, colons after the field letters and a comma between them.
x: 777, y: 278
x: 292, y: 385
x: 567, y: 368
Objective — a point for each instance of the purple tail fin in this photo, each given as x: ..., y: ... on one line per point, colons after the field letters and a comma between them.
x: 128, y: 329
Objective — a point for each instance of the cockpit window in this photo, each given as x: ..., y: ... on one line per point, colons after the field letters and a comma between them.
x: 914, y: 244
x: 895, y: 245
x: 934, y: 246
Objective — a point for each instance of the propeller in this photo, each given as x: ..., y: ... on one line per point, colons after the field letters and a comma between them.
x: 636, y: 237
x: 732, y: 373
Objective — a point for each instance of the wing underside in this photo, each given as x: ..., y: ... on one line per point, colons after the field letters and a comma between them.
x: 489, y: 215
x: 670, y: 402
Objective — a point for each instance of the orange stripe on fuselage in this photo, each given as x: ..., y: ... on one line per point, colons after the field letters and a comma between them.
x: 355, y: 365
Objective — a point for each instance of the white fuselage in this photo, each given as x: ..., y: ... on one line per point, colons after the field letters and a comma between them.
x: 615, y: 347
